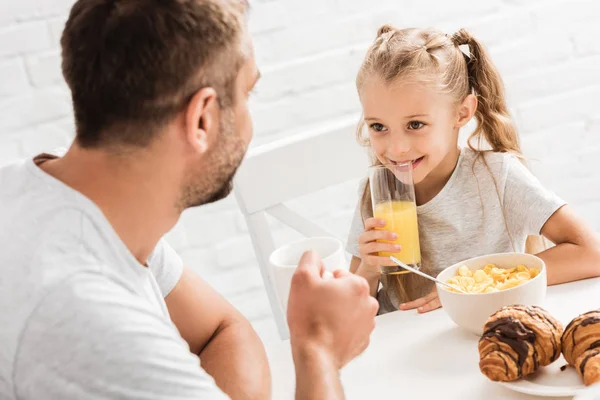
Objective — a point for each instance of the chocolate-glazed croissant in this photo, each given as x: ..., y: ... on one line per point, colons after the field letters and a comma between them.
x: 581, y: 346
x: 517, y: 340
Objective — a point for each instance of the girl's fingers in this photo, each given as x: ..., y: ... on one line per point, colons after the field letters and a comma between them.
x: 376, y: 247
x: 432, y: 305
x: 419, y: 302
x: 373, y: 223
x: 373, y: 235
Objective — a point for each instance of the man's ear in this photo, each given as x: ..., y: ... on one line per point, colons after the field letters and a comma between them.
x: 201, y: 118
x: 466, y: 110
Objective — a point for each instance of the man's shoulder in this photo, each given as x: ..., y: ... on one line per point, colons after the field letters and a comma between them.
x: 28, y: 195
x: 48, y: 228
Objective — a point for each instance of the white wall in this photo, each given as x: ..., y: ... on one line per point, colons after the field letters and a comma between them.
x: 309, y: 52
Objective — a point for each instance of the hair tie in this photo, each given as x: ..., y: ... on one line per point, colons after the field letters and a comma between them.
x: 465, y: 49
x: 461, y: 40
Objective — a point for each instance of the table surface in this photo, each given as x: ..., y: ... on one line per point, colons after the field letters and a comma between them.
x: 427, y: 356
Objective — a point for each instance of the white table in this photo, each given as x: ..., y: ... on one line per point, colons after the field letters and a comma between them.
x: 418, y: 357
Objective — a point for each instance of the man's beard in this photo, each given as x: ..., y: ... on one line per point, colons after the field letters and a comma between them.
x: 215, y: 181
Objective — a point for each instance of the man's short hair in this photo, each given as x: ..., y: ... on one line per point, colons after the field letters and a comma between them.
x: 133, y: 65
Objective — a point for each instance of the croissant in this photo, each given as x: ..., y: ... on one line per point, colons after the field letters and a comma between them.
x: 517, y: 340
x: 581, y: 346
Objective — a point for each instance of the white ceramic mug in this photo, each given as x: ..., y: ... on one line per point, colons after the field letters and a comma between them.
x: 285, y: 259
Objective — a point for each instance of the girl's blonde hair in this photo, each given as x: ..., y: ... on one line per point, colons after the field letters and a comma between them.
x: 456, y: 65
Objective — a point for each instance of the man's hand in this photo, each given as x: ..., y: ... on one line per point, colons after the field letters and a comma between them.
x: 330, y: 323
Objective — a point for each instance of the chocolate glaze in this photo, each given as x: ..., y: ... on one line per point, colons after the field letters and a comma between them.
x: 586, y: 359
x: 503, y: 353
x: 578, y: 318
x: 584, y: 322
x: 539, y: 313
x: 512, y: 332
x: 504, y: 360
x: 590, y: 321
x: 594, y: 345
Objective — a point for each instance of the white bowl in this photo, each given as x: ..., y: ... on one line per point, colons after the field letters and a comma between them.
x: 471, y: 311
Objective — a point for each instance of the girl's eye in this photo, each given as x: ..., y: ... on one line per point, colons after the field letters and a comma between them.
x: 415, y: 125
x: 377, y: 127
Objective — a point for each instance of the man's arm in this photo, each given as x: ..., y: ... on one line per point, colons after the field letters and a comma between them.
x: 226, y: 343
x: 330, y: 323
x: 317, y: 376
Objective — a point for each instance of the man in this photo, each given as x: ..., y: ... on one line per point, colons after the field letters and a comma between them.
x: 94, y: 303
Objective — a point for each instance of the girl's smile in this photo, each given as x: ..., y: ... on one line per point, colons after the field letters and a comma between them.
x: 415, y: 162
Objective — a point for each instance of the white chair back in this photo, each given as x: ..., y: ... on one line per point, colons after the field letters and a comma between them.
x: 286, y: 169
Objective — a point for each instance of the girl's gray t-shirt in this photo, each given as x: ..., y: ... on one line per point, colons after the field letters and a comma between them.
x: 466, y: 218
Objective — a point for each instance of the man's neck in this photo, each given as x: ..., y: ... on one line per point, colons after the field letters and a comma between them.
x: 134, y: 193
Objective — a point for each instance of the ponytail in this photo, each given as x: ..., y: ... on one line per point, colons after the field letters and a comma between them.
x: 494, y: 123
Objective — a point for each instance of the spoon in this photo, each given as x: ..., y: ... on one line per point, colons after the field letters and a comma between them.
x: 424, y: 275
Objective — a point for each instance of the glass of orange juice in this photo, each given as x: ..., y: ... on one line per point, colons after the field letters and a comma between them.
x: 393, y: 198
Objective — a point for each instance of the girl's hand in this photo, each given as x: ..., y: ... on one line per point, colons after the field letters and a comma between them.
x: 424, y: 304
x: 369, y: 247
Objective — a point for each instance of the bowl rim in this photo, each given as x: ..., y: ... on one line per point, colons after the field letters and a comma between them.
x: 459, y: 264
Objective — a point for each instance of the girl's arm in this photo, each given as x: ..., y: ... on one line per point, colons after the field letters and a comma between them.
x: 577, y: 252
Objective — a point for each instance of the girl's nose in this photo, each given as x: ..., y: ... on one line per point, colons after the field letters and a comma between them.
x: 399, y: 146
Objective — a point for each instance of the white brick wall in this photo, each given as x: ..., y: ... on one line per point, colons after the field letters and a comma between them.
x: 309, y: 52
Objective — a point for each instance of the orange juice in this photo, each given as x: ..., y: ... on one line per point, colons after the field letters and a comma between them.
x: 401, y: 218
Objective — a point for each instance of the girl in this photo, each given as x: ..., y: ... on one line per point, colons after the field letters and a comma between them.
x: 418, y: 88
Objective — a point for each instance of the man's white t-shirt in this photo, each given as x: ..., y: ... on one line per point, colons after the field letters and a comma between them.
x: 80, y: 318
